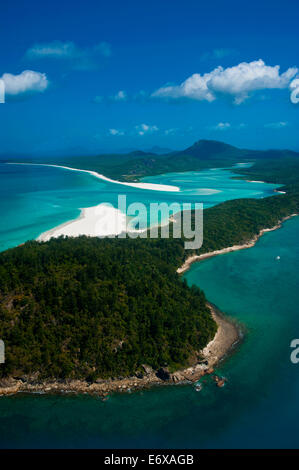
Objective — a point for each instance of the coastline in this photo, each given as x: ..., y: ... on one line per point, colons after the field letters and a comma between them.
x: 192, y: 259
x: 147, y: 186
x: 100, y: 220
x: 96, y: 221
x: 228, y: 335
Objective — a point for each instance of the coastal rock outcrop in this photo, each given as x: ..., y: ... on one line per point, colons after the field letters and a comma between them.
x: 163, y: 373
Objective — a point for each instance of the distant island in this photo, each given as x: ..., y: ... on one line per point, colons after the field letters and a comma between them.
x: 137, y: 164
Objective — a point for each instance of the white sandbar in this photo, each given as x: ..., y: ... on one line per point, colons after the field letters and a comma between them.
x: 98, y: 221
x: 150, y: 186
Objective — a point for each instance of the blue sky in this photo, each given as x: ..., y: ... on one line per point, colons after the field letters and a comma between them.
x: 99, y: 76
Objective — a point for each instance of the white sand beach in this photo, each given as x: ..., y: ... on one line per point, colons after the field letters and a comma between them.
x: 98, y: 221
x: 252, y: 181
x: 148, y: 186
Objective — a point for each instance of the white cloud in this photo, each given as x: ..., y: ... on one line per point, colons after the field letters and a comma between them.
x: 80, y: 58
x: 170, y: 131
x: 54, y: 50
x: 145, y: 128
x: 120, y: 96
x: 276, y: 125
x: 26, y: 82
x: 237, y: 81
x: 116, y: 132
x: 141, y: 130
x: 222, y: 126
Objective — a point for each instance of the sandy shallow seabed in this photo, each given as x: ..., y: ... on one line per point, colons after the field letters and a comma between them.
x: 100, y: 220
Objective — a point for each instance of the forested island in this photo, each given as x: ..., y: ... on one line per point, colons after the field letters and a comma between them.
x: 88, y: 308
x: 94, y: 309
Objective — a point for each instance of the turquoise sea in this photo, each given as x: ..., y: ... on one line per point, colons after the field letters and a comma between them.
x: 258, y: 406
x: 34, y: 199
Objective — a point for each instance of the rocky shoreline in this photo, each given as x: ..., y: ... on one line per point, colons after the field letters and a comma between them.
x: 227, y: 336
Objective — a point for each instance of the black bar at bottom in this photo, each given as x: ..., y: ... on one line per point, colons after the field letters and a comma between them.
x: 137, y: 458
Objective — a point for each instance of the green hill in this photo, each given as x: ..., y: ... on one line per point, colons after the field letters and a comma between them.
x: 211, y: 149
x: 88, y: 308
x: 137, y: 164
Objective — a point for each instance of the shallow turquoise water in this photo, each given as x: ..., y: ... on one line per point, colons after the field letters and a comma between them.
x: 258, y: 406
x: 34, y: 199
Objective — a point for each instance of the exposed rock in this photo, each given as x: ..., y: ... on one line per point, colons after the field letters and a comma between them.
x: 147, y: 369
x: 204, y: 362
x: 163, y: 373
x: 178, y: 377
x: 221, y: 383
x: 8, y: 386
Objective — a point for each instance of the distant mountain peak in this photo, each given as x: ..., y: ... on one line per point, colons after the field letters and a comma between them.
x: 209, y: 149
x: 210, y: 143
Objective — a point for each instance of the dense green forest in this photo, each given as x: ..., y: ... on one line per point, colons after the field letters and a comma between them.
x: 237, y: 221
x: 94, y: 308
x: 282, y: 171
x: 90, y: 308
